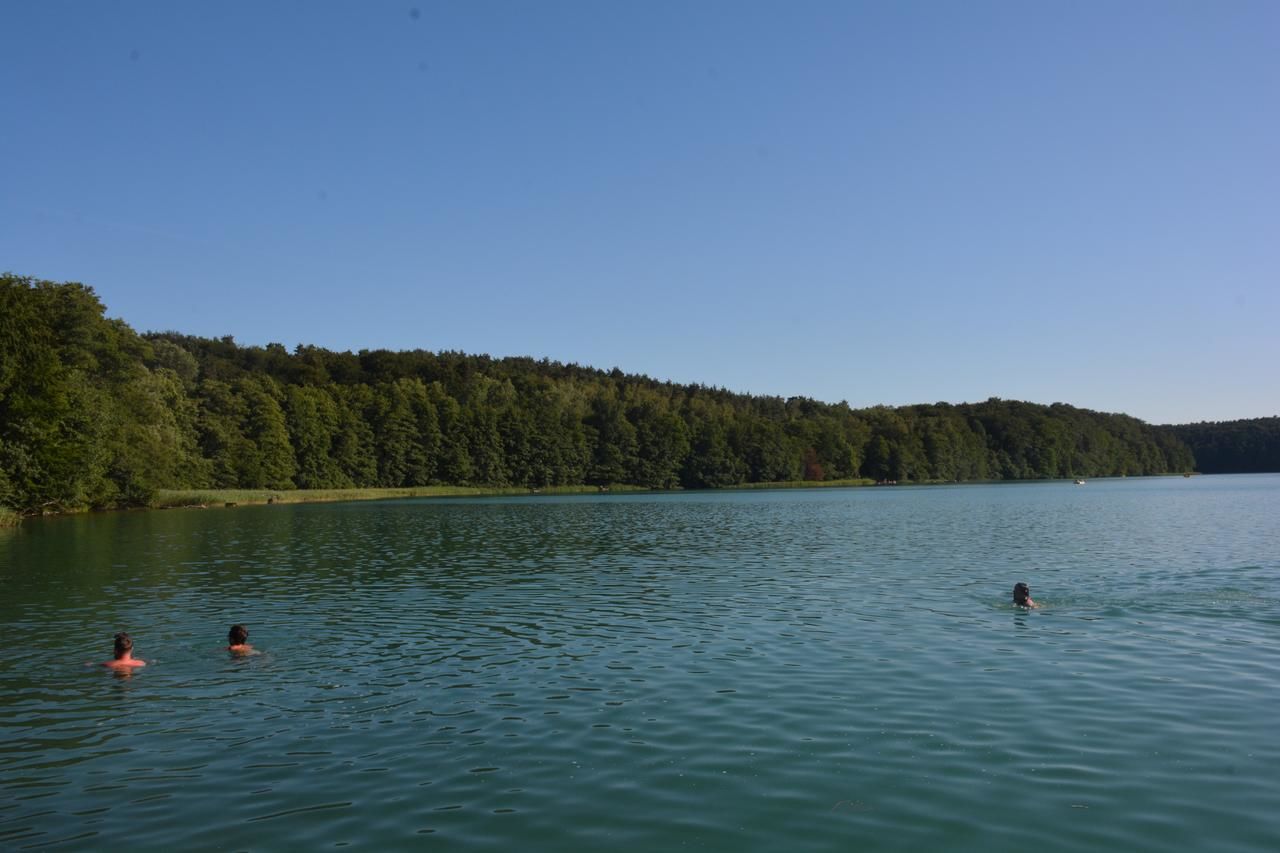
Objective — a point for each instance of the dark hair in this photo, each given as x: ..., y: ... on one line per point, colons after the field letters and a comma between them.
x: 124, y: 643
x: 1021, y: 592
x: 237, y: 635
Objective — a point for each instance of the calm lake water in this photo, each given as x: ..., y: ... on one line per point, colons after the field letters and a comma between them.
x: 781, y: 670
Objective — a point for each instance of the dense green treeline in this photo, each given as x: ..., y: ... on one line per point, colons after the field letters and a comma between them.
x: 86, y: 419
x: 93, y: 414
x: 1233, y: 447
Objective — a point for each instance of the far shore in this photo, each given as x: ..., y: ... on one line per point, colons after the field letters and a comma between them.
x: 226, y: 498
x: 210, y: 498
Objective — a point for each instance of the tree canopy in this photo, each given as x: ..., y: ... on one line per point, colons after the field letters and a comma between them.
x: 92, y: 414
x: 1233, y: 447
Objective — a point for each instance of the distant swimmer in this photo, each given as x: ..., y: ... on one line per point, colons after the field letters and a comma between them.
x: 238, y: 640
x: 124, y: 659
x: 1022, y: 595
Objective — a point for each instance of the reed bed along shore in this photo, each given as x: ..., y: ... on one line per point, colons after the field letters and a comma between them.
x: 179, y: 498
x: 807, y: 484
x: 207, y: 498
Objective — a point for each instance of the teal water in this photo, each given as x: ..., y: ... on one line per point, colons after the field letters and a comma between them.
x: 788, y: 670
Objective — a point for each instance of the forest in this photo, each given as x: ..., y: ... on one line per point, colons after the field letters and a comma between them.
x: 96, y: 415
x: 1233, y: 447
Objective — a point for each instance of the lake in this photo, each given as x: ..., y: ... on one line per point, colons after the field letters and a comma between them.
x: 771, y: 670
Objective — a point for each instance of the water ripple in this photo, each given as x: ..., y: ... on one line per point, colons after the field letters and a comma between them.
x: 767, y: 670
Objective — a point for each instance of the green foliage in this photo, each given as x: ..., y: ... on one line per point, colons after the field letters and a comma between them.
x: 661, y: 443
x: 83, y: 421
x: 711, y: 463
x: 1230, y: 447
x: 352, y: 447
x: 615, y: 449
x: 91, y: 414
x: 313, y: 421
x: 221, y: 415
x: 153, y: 439
x: 271, y: 462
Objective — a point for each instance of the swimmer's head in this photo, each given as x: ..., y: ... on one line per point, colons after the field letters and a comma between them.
x: 1021, y: 592
x: 124, y: 645
x: 237, y: 635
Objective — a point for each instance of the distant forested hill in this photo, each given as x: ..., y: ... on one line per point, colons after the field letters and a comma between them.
x: 1233, y: 447
x: 93, y: 414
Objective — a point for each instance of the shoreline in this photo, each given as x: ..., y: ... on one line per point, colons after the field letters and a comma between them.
x: 230, y: 498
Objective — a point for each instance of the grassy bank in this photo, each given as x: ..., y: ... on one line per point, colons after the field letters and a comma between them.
x: 175, y: 498
x: 806, y: 484
x: 205, y: 498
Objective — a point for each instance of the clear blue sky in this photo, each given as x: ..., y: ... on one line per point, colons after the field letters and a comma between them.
x: 890, y: 202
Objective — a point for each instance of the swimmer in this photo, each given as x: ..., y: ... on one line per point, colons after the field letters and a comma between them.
x: 238, y: 640
x: 124, y: 659
x: 1022, y: 595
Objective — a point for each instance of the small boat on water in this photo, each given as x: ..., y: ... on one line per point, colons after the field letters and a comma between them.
x: 1079, y: 482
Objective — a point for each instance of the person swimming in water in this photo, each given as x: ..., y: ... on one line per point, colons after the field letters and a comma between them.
x: 1022, y: 595
x: 238, y: 640
x: 124, y: 659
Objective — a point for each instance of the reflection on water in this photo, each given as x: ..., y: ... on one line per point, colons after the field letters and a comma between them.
x: 771, y: 670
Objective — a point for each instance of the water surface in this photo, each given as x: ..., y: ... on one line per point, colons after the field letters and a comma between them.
x: 799, y: 670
